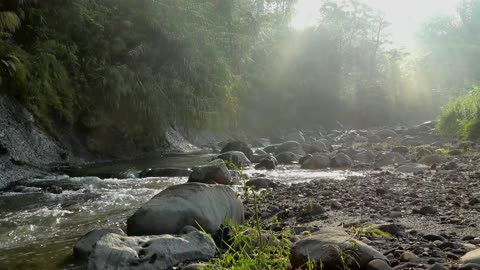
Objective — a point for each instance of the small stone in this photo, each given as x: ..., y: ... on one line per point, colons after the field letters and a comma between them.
x: 408, y: 256
x: 378, y: 265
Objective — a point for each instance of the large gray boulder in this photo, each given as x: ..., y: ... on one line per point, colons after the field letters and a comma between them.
x: 115, y: 252
x: 316, y: 162
x: 341, y: 160
x: 86, y: 243
x: 326, y: 247
x: 238, y: 146
x: 237, y: 158
x: 290, y: 146
x: 287, y: 158
x: 193, y: 204
x: 390, y: 159
x: 214, y: 172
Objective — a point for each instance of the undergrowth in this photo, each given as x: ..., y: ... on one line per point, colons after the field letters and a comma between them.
x: 250, y: 247
x: 461, y: 117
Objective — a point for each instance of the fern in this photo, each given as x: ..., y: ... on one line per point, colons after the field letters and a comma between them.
x: 9, y: 21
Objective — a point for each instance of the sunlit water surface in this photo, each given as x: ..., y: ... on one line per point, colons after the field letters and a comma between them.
x: 38, y: 230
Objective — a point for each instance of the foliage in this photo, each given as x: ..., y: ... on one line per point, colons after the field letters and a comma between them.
x: 131, y: 69
x: 461, y: 117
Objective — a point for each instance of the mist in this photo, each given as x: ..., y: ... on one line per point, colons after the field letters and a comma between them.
x: 239, y: 134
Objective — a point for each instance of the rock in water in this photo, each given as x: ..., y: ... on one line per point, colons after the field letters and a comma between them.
x: 341, y: 161
x: 327, y: 245
x: 115, y: 252
x: 287, y: 158
x: 236, y: 157
x: 259, y: 183
x: 86, y: 243
x: 212, y: 173
x: 188, y: 204
x: 238, y: 146
x: 291, y: 146
x: 268, y: 163
x: 316, y: 162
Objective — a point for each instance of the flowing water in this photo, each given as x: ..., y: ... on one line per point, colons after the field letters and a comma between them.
x: 39, y: 229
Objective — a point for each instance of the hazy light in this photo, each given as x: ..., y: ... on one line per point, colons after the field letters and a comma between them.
x: 404, y: 15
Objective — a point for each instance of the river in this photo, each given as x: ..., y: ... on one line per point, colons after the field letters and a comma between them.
x: 39, y: 229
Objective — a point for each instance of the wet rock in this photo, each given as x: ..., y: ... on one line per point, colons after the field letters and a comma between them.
x: 268, y: 163
x: 260, y: 142
x: 471, y: 257
x: 261, y: 152
x: 188, y: 204
x: 238, y: 146
x: 287, y: 158
x: 316, y: 162
x: 378, y: 265
x: 291, y: 146
x: 165, y: 172
x: 271, y: 149
x: 304, y: 158
x: 115, y: 252
x: 260, y: 183
x: 389, y: 159
x: 324, y: 246
x: 54, y: 189
x: 214, y: 172
x: 86, y: 243
x: 237, y: 158
x: 412, y: 168
x: 341, y: 160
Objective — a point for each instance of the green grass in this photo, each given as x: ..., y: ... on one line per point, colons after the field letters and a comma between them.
x: 461, y: 117
x: 367, y: 231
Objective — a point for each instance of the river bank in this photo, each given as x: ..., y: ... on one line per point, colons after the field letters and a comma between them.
x: 417, y: 184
